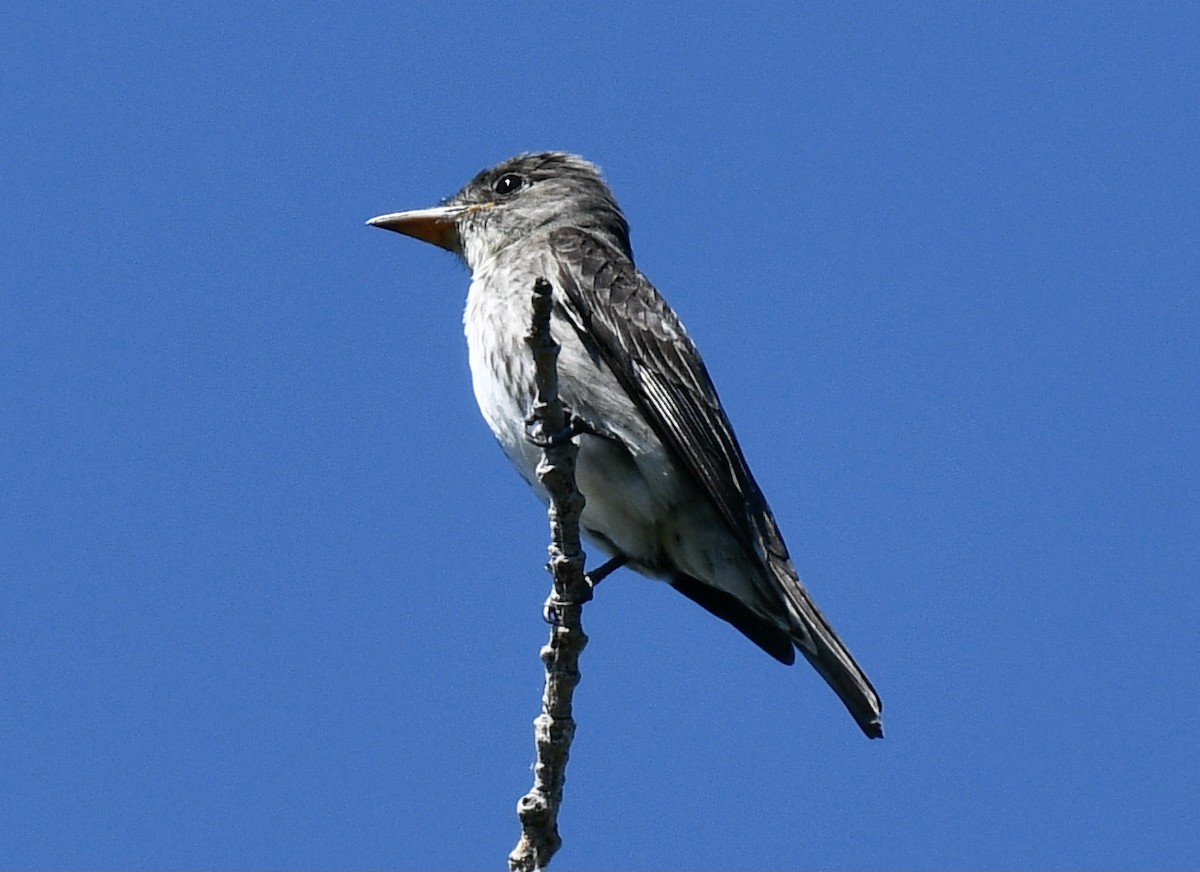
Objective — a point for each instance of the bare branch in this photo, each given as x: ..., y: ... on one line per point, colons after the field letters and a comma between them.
x: 550, y: 427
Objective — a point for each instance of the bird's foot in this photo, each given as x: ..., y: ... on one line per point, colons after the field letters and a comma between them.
x: 580, y: 425
x: 536, y: 432
x: 535, y: 429
x: 552, y: 610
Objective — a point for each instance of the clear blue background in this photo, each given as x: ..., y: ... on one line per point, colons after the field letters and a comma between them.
x: 271, y: 596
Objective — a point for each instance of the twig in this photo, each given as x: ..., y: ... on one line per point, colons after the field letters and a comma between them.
x: 554, y: 728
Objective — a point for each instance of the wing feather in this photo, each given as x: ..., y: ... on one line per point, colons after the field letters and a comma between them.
x: 624, y: 319
x: 649, y: 351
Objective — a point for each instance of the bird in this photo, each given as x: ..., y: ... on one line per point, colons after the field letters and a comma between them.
x: 668, y: 491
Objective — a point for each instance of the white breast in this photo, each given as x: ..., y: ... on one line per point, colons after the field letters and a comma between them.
x: 495, y: 322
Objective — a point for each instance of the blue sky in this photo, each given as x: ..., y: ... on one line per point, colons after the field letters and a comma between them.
x: 272, y: 595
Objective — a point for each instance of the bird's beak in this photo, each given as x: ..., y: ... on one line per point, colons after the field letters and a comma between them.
x: 435, y: 226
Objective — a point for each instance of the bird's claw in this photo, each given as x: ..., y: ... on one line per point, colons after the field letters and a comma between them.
x: 535, y: 429
x: 535, y: 432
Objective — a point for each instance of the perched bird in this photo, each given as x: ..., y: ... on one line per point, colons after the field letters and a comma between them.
x: 668, y: 491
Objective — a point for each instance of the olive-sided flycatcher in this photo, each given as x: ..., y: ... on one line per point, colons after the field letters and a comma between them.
x: 668, y: 490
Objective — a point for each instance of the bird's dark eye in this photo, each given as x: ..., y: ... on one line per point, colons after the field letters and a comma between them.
x: 508, y: 183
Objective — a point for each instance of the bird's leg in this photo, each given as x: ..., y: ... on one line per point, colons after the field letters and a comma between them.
x: 606, y: 569
x: 535, y: 432
x: 576, y: 425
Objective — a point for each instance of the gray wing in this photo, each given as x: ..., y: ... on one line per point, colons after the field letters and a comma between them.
x: 625, y: 320
x: 641, y: 339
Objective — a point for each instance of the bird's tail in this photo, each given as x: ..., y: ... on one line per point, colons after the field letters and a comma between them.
x: 818, y: 642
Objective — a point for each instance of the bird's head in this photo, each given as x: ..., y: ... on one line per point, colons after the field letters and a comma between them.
x: 512, y: 200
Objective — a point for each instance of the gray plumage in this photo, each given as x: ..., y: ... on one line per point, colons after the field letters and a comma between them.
x: 666, y: 483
